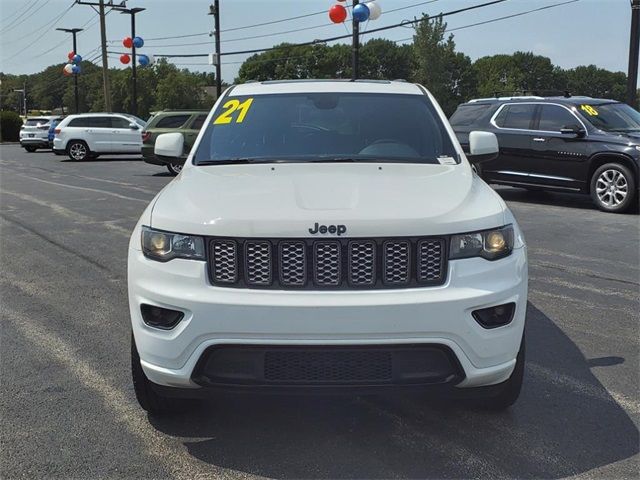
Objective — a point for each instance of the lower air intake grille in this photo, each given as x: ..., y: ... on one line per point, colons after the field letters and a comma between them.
x: 327, y: 366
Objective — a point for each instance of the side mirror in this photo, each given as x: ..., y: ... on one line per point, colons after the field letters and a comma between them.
x: 169, y: 145
x: 573, y: 130
x: 483, y: 146
x: 134, y: 126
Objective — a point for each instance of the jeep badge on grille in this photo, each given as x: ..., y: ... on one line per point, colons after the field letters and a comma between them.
x: 324, y: 229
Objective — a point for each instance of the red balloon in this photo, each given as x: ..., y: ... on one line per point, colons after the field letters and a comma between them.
x: 337, y: 13
x: 124, y: 58
x: 127, y: 42
x: 70, y: 55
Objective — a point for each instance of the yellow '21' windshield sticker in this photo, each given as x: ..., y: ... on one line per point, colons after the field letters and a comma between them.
x: 230, y: 109
x: 589, y: 110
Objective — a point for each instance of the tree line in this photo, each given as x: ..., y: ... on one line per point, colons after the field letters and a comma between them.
x: 431, y: 60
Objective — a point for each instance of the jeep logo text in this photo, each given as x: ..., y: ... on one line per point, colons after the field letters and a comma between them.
x: 333, y: 229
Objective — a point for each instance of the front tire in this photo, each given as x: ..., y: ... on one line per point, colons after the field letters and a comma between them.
x: 148, y: 398
x: 78, y: 151
x: 613, y: 188
x: 174, y: 169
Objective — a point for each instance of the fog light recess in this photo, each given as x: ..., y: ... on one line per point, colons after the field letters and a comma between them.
x: 159, y: 317
x: 494, y: 317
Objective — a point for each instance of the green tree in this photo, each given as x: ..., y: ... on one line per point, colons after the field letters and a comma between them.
x: 596, y: 82
x: 386, y: 60
x: 445, y: 72
x: 521, y: 71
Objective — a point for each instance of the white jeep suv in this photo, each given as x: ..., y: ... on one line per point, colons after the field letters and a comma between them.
x: 89, y: 135
x: 327, y: 235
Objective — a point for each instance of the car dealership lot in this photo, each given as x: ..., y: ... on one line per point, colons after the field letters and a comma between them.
x: 67, y: 404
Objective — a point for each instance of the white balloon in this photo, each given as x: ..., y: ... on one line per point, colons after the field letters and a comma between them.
x: 68, y: 68
x: 152, y: 59
x: 375, y: 10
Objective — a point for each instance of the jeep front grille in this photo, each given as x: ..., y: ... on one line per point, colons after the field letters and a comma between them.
x: 327, y: 264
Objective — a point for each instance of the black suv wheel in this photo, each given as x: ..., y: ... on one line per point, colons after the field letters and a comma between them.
x: 613, y: 188
x: 174, y: 169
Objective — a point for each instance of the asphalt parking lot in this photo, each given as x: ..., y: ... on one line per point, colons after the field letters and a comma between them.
x: 67, y: 403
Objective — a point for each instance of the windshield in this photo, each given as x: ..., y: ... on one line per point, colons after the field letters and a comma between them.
x: 612, y: 117
x: 325, y: 127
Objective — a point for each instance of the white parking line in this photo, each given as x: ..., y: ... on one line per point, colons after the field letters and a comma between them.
x: 97, y: 190
x: 174, y: 460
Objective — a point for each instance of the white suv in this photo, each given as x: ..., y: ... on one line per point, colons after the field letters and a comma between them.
x: 328, y: 235
x: 34, y: 133
x: 89, y: 135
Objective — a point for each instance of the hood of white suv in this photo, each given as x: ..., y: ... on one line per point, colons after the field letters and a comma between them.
x: 287, y: 200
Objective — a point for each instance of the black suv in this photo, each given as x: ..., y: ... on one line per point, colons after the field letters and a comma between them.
x: 574, y: 144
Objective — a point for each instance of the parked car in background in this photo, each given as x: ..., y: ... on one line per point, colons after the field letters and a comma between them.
x: 34, y: 133
x: 572, y: 144
x: 90, y: 135
x: 187, y: 122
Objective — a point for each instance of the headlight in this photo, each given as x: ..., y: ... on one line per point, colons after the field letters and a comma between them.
x: 164, y: 246
x: 489, y: 244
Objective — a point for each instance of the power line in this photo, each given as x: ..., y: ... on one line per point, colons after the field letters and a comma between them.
x: 45, y: 31
x: 20, y: 11
x: 499, y: 18
x: 24, y: 19
x: 65, y: 40
x: 333, y: 39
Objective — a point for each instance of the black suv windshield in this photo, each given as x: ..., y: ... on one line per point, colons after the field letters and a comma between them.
x: 325, y: 127
x: 612, y: 117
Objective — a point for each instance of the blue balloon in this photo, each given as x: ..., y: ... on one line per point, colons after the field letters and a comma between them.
x: 361, y: 12
x: 138, y: 42
x: 143, y: 60
x: 77, y: 59
x: 75, y: 69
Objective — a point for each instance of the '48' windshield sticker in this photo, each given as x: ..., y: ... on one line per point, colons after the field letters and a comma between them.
x: 589, y: 110
x: 230, y: 109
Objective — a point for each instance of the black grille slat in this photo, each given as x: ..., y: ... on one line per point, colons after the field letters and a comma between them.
x: 396, y: 262
x: 430, y: 260
x: 293, y: 264
x: 327, y: 263
x: 225, y: 261
x: 362, y: 263
x: 257, y: 260
x: 337, y: 263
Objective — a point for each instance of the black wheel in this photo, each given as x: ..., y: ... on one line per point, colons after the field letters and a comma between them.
x: 509, y: 391
x: 147, y: 397
x: 174, y: 169
x: 30, y: 149
x: 78, y: 150
x: 613, y: 188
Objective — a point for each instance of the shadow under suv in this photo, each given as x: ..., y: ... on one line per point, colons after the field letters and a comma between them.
x: 573, y: 144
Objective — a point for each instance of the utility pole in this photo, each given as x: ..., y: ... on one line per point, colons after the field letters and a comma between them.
x: 134, y: 82
x: 355, y: 54
x: 74, y: 32
x: 103, y: 39
x: 23, y: 90
x: 215, y: 11
x: 634, y: 50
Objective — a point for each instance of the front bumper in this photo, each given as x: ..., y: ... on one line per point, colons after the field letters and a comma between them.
x: 430, y: 317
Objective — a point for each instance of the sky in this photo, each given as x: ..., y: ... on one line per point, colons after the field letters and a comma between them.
x: 580, y: 33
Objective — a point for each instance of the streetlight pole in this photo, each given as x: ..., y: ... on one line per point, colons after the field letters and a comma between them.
x: 74, y: 32
x: 355, y: 54
x: 24, y: 97
x: 134, y: 86
x: 634, y: 46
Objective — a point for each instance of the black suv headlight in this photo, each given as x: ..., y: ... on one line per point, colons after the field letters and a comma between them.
x: 490, y: 244
x: 165, y: 246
